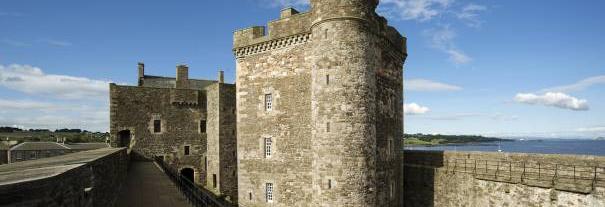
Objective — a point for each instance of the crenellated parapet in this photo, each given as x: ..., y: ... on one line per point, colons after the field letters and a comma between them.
x: 294, y: 28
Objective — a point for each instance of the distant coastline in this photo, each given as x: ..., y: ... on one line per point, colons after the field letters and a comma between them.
x: 439, y: 139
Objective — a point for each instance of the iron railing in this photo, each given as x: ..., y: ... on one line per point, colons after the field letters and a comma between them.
x: 537, y: 173
x: 197, y: 196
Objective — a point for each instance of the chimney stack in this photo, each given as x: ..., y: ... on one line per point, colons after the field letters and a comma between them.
x: 221, y: 76
x: 182, y: 76
x: 141, y: 73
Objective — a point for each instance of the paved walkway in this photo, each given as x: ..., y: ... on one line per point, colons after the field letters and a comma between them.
x: 148, y: 186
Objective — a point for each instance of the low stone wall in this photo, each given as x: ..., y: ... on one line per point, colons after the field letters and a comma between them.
x: 89, y: 178
x: 436, y: 178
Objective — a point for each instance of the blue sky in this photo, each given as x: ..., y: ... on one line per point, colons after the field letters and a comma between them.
x: 496, y: 68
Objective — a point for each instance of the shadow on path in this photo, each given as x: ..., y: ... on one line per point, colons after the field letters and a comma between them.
x: 148, y: 186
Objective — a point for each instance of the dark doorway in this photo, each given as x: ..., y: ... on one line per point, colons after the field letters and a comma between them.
x: 187, y: 173
x: 124, y: 138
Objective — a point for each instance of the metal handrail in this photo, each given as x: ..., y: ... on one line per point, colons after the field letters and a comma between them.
x: 526, y: 171
x: 197, y: 196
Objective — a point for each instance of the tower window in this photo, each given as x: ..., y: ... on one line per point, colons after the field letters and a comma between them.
x: 268, y: 145
x: 328, y: 127
x: 202, y: 126
x: 214, y: 180
x: 329, y: 183
x: 389, y: 144
x: 249, y: 195
x: 327, y: 79
x: 269, y: 192
x: 392, y: 189
x: 157, y: 126
x: 326, y: 34
x: 186, y: 150
x: 268, y: 102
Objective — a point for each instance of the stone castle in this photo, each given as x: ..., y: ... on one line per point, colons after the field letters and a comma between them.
x: 314, y: 119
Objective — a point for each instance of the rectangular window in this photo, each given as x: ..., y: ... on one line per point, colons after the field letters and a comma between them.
x: 327, y: 79
x: 186, y: 150
x: 389, y: 144
x: 157, y: 126
x: 329, y: 183
x: 268, y: 143
x: 202, y: 126
x: 250, y: 196
x: 328, y: 127
x: 268, y: 102
x: 392, y: 189
x: 214, y: 180
x: 269, y: 192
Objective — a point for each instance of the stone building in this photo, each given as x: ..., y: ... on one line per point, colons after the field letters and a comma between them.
x: 318, y: 120
x: 36, y: 150
x: 188, y: 122
x: 319, y: 116
x: 4, y: 153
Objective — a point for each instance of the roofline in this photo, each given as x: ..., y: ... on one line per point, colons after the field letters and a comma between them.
x: 19, y: 145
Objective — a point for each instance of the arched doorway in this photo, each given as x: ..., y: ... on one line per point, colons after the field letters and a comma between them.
x: 188, y: 174
x: 124, y: 138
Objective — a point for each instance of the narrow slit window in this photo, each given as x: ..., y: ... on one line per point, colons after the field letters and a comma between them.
x: 269, y: 192
x: 326, y: 34
x: 328, y: 127
x: 268, y: 146
x: 202, y: 126
x: 186, y: 150
x: 329, y: 183
x: 268, y: 102
x: 327, y: 79
x: 214, y: 180
x: 157, y: 126
x: 249, y: 196
x: 389, y: 144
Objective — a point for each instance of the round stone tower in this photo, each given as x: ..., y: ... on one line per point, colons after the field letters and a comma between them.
x: 343, y: 59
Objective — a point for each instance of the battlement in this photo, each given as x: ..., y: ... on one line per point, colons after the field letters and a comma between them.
x: 294, y: 27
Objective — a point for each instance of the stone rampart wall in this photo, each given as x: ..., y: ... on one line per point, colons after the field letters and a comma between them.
x: 89, y: 178
x: 435, y: 178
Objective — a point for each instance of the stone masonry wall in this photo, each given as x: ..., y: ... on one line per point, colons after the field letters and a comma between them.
x: 335, y: 75
x: 221, y: 155
x: 135, y: 108
x: 90, y: 178
x: 284, y: 74
x: 503, y: 179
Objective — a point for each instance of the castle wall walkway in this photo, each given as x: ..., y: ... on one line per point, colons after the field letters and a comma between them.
x: 88, y: 178
x: 146, y: 185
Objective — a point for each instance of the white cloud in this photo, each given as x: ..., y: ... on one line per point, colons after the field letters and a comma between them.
x: 11, y: 14
x: 14, y: 43
x: 53, y: 115
x: 592, y: 129
x: 26, y: 105
x: 285, y: 3
x: 469, y: 14
x: 578, y: 86
x: 554, y: 99
x: 460, y: 116
x: 457, y: 56
x: 428, y: 85
x: 414, y: 109
x: 57, y: 43
x: 33, y: 80
x: 443, y: 39
x: 420, y: 10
